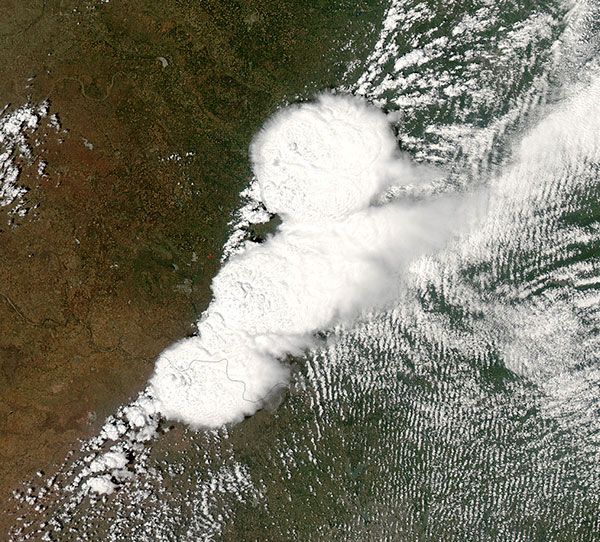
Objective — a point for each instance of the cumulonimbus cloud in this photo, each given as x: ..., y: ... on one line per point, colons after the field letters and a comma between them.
x: 320, y: 166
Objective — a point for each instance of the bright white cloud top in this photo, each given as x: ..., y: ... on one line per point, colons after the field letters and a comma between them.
x: 320, y: 166
x: 323, y: 160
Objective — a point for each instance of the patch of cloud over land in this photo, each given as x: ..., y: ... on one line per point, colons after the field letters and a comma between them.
x: 324, y: 168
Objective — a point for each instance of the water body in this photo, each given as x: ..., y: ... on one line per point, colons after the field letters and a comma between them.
x: 469, y: 409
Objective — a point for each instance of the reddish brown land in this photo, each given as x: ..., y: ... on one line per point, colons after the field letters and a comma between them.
x: 116, y: 261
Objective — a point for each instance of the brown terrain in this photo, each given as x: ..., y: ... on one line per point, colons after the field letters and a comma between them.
x: 157, y: 103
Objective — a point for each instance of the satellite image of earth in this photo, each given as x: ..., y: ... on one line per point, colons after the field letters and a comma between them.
x: 283, y: 270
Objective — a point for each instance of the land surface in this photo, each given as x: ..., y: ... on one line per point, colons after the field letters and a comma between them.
x: 157, y: 103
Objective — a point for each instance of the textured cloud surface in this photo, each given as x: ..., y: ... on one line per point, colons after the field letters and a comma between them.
x: 319, y: 166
